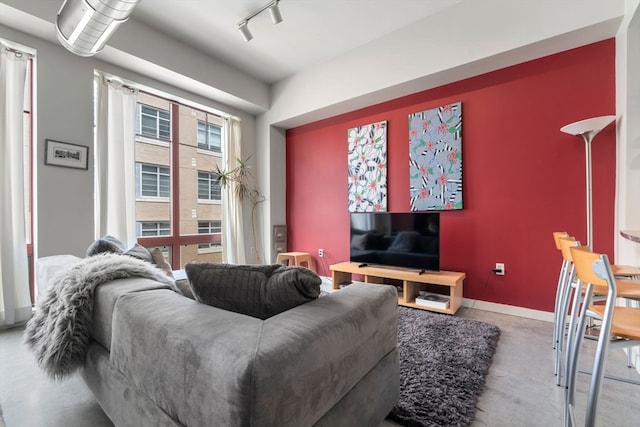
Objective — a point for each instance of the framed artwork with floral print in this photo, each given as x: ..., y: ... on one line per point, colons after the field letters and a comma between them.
x: 367, y: 166
x: 435, y: 158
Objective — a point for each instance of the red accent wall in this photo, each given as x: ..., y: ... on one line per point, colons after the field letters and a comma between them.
x: 522, y: 177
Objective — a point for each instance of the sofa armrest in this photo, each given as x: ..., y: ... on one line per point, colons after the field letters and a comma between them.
x: 46, y: 268
x: 311, y: 356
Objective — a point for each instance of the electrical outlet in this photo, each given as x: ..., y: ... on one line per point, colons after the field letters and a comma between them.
x: 499, y: 270
x: 320, y: 253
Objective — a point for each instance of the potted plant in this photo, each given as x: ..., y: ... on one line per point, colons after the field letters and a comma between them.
x: 242, y: 181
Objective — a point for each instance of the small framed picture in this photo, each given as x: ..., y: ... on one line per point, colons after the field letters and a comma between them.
x: 66, y: 155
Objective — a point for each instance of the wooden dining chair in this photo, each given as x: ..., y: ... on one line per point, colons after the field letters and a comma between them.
x: 620, y: 326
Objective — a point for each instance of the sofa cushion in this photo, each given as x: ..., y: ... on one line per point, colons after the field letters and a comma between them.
x: 256, y: 290
x: 106, y: 244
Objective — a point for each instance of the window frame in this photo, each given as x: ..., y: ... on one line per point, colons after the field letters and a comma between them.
x: 158, y: 134
x: 213, y: 186
x: 158, y: 227
x: 211, y: 230
x: 158, y: 181
x: 207, y: 145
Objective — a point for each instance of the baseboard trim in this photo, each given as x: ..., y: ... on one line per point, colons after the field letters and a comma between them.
x: 512, y: 310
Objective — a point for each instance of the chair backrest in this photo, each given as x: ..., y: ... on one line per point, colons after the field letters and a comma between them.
x: 584, y: 259
x: 565, y: 243
x: 558, y: 235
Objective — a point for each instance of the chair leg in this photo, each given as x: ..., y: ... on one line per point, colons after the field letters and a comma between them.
x: 599, y: 365
x: 572, y: 330
x: 573, y: 354
x: 558, y: 323
x: 562, y: 316
x: 629, y: 350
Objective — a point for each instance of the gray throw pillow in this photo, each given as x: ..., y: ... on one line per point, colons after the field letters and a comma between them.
x: 106, y: 244
x: 256, y: 290
x: 183, y: 286
x: 158, y: 259
x: 140, y: 252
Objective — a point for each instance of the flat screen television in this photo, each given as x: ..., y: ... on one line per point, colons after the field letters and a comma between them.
x: 409, y: 240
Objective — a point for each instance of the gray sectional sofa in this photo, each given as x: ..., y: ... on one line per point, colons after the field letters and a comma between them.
x: 158, y: 358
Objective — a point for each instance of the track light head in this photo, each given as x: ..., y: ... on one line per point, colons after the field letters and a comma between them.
x: 244, y: 30
x: 274, y: 11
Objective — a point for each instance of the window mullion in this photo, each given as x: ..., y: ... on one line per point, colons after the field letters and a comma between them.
x: 174, y: 173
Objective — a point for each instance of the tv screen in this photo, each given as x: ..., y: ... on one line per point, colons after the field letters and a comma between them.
x: 410, y: 240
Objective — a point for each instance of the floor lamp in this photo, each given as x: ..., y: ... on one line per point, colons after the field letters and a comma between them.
x: 588, y: 129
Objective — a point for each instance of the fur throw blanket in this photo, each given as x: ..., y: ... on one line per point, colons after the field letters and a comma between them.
x: 60, y: 331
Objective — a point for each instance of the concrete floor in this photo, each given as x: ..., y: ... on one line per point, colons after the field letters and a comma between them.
x: 520, y: 389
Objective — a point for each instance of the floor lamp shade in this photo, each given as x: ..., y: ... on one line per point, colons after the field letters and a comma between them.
x: 588, y: 129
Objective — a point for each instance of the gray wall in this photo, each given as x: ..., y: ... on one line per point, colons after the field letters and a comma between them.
x: 64, y: 112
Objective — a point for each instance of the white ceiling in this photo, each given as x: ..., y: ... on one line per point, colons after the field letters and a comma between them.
x: 311, y: 32
x: 319, y: 41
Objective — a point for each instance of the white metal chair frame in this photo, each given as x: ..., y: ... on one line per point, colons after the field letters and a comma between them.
x: 565, y: 292
x: 602, y: 269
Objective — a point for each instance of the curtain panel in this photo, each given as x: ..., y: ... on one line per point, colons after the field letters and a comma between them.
x: 232, y: 212
x: 15, y: 300
x: 115, y: 160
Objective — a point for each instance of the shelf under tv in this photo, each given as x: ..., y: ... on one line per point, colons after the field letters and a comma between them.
x: 413, y: 280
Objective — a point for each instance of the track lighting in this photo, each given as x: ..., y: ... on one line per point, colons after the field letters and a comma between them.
x: 244, y: 30
x: 274, y: 11
x: 84, y: 26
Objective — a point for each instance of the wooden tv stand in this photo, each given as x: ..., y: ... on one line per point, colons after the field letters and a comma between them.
x: 412, y: 282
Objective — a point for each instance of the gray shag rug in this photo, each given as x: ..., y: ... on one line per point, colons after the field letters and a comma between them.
x: 443, y: 363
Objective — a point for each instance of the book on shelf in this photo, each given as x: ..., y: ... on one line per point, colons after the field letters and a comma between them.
x: 427, y: 299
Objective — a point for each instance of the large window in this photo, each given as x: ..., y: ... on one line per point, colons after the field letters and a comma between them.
x: 208, y: 186
x: 177, y: 148
x: 153, y: 122
x: 152, y: 180
x: 209, y: 136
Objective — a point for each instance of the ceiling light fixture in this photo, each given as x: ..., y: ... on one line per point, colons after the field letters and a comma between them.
x: 244, y: 30
x: 84, y: 26
x: 274, y: 11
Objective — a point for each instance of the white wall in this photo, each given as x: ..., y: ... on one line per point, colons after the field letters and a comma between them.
x: 628, y: 111
x: 415, y: 59
x: 64, y: 112
x: 507, y: 33
x: 628, y: 157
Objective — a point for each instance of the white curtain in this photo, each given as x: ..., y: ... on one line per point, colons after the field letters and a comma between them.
x: 115, y: 161
x: 232, y: 212
x: 15, y: 300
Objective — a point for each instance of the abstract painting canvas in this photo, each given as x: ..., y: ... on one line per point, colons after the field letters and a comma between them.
x: 367, y: 188
x: 435, y: 158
